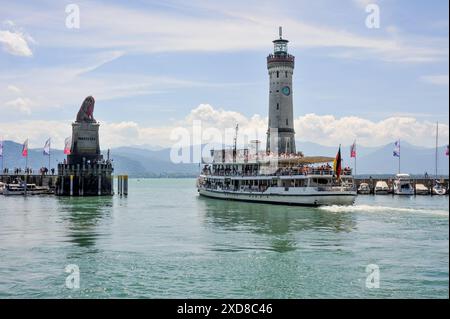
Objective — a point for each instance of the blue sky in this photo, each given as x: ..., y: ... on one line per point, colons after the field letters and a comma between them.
x: 156, y: 65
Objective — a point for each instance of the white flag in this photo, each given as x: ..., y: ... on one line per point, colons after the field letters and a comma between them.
x: 396, y: 152
x: 47, y: 147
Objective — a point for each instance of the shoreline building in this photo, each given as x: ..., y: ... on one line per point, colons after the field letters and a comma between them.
x: 280, y: 133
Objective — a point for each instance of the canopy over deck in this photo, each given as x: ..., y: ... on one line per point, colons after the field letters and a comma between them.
x: 307, y: 160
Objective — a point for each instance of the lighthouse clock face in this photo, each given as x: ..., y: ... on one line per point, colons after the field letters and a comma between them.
x: 286, y: 90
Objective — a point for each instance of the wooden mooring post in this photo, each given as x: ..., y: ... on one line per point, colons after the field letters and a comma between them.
x: 122, y: 185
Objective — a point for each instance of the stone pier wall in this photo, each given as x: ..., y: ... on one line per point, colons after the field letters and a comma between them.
x: 85, y: 180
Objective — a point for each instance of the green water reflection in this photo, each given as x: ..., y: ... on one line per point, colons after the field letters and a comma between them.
x: 282, y: 225
x: 83, y: 217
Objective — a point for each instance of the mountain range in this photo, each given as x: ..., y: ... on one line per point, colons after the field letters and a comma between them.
x: 148, y: 161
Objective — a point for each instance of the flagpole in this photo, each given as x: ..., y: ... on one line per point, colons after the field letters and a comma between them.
x: 437, y: 141
x: 49, y: 152
x: 356, y: 154
x: 26, y: 171
x: 2, y: 146
x: 399, y: 155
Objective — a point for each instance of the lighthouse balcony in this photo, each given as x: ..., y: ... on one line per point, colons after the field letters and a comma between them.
x: 280, y: 58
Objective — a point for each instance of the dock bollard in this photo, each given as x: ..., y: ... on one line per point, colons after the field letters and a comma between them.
x: 71, y: 185
x: 99, y: 185
x: 125, y: 185
x: 119, y: 184
x: 122, y: 185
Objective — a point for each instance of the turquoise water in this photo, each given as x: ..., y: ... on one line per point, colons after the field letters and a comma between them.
x: 163, y: 241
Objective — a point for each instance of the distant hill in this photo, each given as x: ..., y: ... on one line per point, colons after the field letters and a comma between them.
x: 146, y: 161
x: 12, y: 153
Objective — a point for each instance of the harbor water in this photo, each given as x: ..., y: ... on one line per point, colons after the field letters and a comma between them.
x: 164, y: 241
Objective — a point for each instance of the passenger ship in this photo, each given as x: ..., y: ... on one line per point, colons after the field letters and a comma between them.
x: 291, y: 180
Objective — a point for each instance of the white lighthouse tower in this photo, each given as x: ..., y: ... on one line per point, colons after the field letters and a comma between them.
x: 281, y: 134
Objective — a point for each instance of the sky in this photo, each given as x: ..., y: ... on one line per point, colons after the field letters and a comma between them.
x: 154, y: 66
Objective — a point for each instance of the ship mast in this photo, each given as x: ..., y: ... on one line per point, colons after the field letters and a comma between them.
x: 235, y: 143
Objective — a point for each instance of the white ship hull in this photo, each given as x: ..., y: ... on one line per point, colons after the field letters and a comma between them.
x: 325, y: 198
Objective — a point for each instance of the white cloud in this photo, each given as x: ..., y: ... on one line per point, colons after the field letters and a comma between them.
x: 23, y: 105
x: 436, y: 79
x: 322, y: 129
x: 13, y: 89
x: 15, y: 43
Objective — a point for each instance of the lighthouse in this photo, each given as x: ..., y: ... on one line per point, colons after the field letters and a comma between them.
x: 280, y: 64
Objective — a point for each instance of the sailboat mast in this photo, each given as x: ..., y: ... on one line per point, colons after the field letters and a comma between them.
x: 235, y: 143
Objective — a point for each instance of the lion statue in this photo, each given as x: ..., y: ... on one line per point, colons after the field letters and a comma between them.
x: 86, y: 112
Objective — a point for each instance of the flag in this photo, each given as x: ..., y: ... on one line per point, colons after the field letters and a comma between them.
x: 25, y: 148
x: 67, y: 145
x: 447, y: 151
x: 337, y: 164
x: 1, y: 148
x: 353, y: 150
x: 47, y: 147
x: 397, y: 148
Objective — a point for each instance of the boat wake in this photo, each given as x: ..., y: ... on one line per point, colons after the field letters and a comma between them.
x: 381, y: 209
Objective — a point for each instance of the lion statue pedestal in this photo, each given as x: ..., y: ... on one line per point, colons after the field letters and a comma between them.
x: 85, y: 144
x: 85, y: 173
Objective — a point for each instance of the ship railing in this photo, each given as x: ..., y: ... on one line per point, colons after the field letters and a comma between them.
x: 279, y: 172
x: 335, y: 188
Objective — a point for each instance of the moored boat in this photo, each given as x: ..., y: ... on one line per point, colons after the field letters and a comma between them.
x: 421, y: 189
x: 364, y: 189
x: 439, y: 189
x: 403, y: 185
x: 381, y: 188
x: 25, y: 189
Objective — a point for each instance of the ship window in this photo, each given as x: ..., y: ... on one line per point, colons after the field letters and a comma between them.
x: 278, y: 74
x: 278, y: 106
x: 286, y: 74
x: 287, y: 122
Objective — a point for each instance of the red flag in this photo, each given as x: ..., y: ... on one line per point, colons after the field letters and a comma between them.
x: 337, y: 164
x: 67, y: 145
x: 353, y: 150
x: 25, y: 148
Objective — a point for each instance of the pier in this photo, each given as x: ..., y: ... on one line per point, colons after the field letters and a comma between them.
x: 38, y: 179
